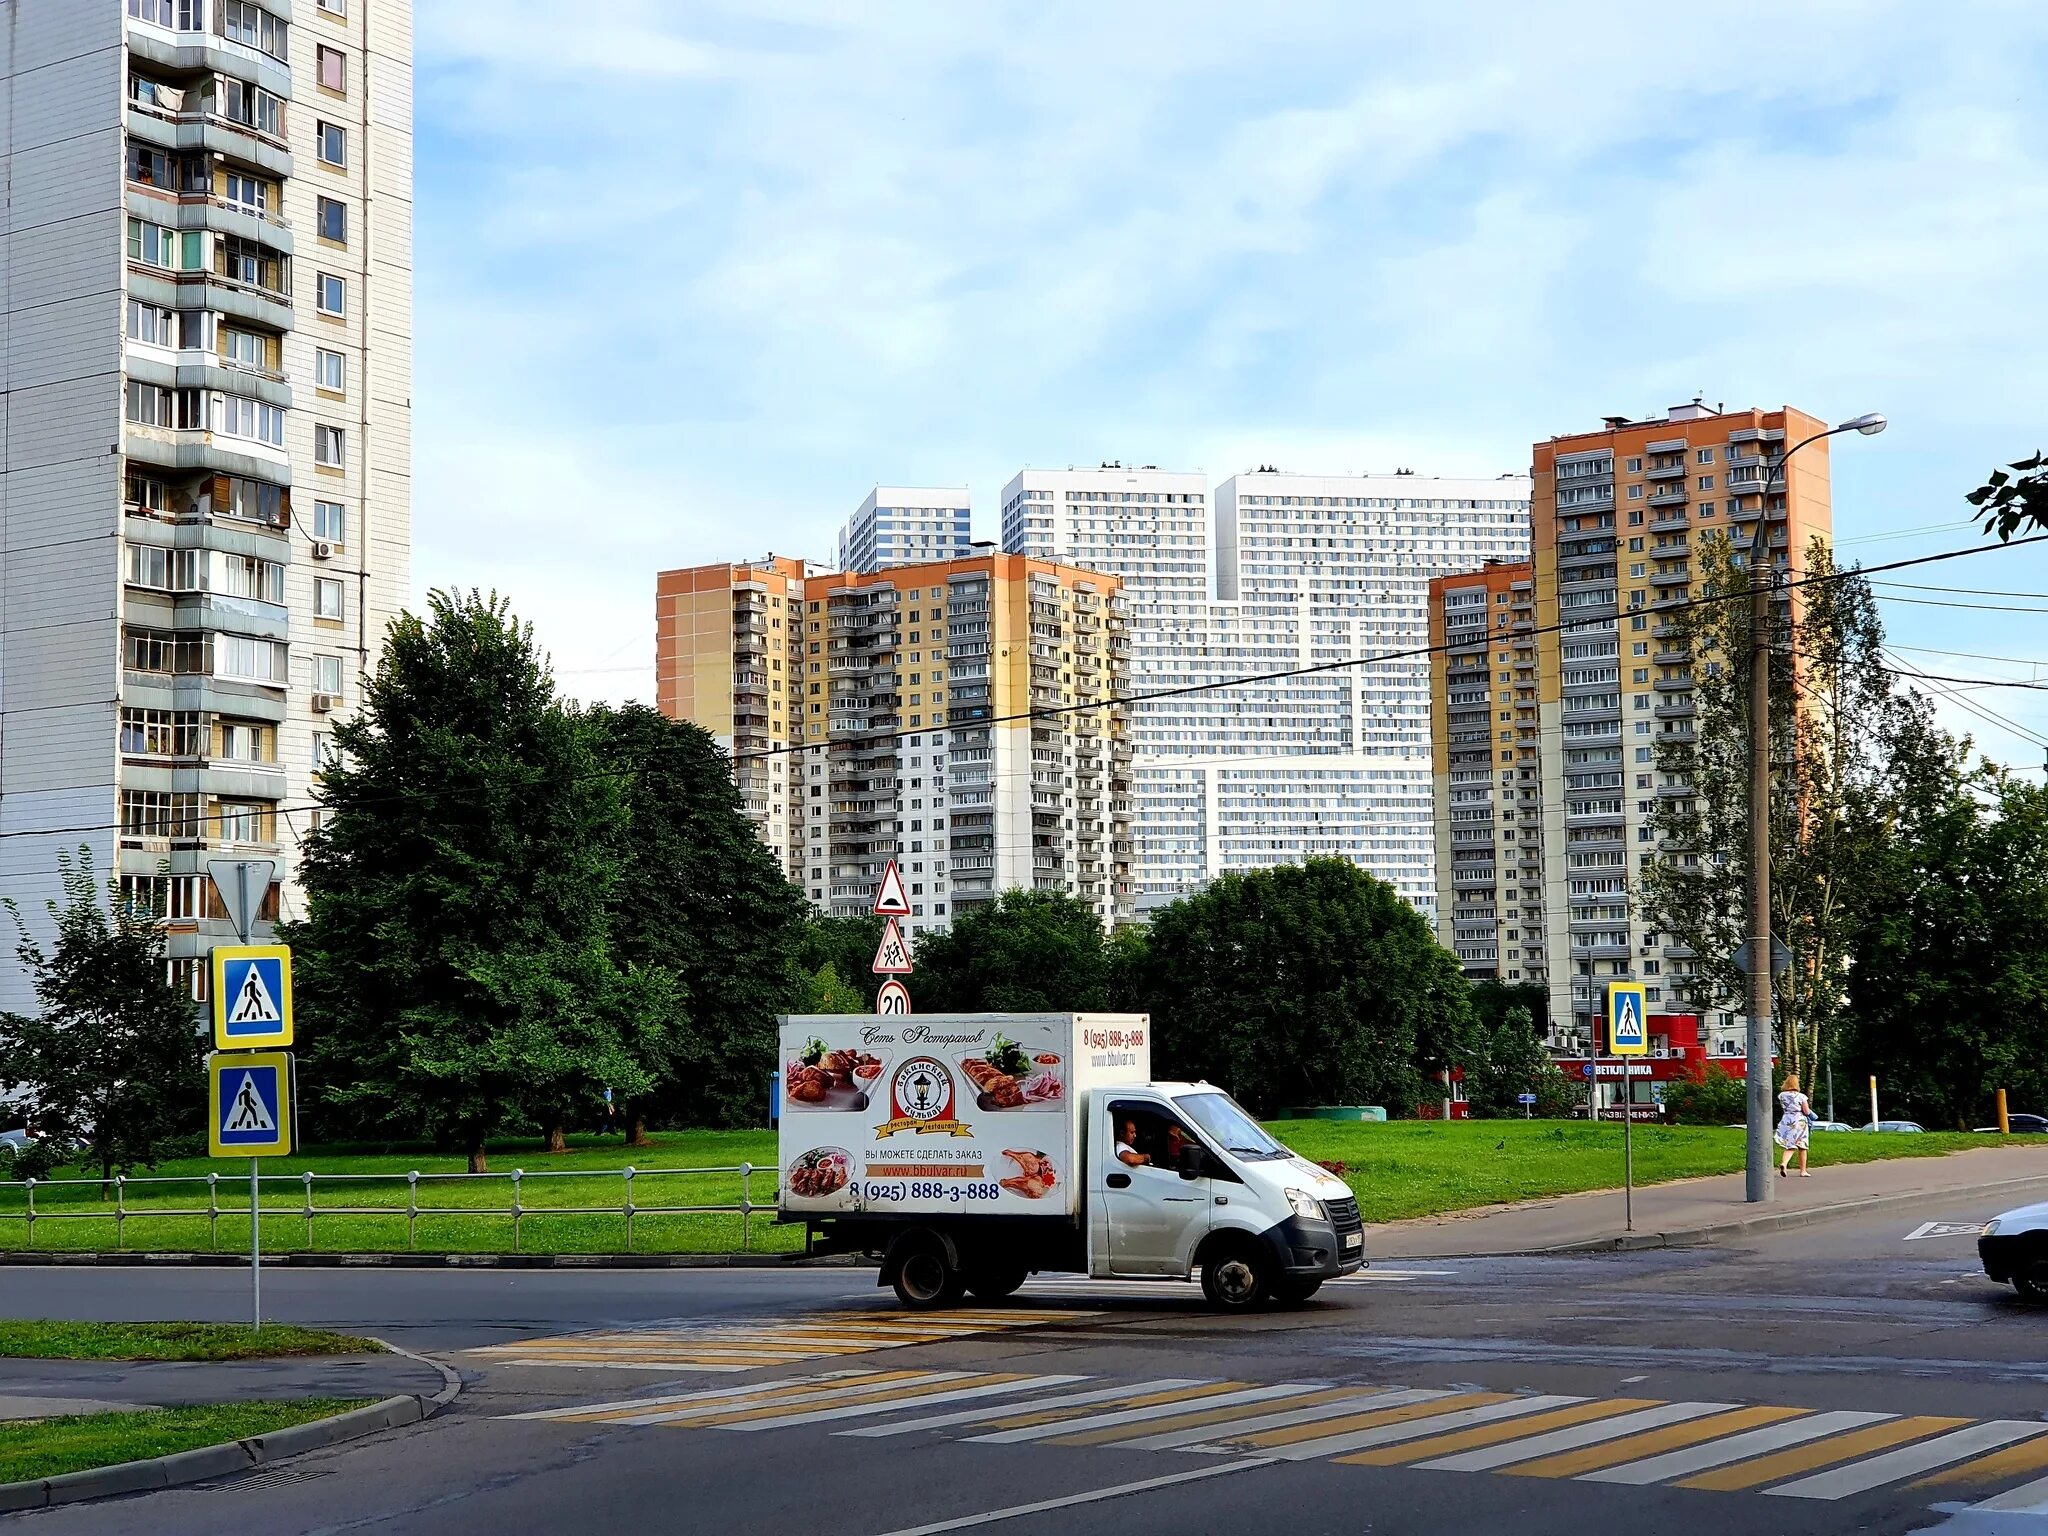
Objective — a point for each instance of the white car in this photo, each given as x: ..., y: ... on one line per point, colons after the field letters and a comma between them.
x: 2014, y: 1248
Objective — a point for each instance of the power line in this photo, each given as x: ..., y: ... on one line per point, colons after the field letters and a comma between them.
x: 1920, y: 586
x: 1928, y: 650
x: 1981, y: 711
x: 1910, y: 533
x: 872, y: 741
x: 1935, y: 602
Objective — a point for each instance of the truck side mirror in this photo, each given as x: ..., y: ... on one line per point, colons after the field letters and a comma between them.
x: 1192, y: 1162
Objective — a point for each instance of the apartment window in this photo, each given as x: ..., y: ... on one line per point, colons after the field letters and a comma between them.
x: 327, y: 674
x: 323, y: 751
x: 333, y: 295
x: 260, y: 581
x: 1706, y: 456
x: 333, y: 7
x: 152, y: 405
x: 251, y: 25
x: 159, y: 733
x: 163, y: 570
x: 249, y: 659
x: 332, y: 140
x: 333, y: 68
x: 1706, y: 482
x: 148, y: 494
x: 330, y: 370
x: 149, y: 166
x: 243, y: 261
x: 162, y: 651
x: 252, y: 107
x: 248, y: 349
x: 149, y: 323
x: 245, y: 741
x: 151, y: 245
x: 239, y: 416
x: 326, y: 598
x: 1635, y: 493
x: 244, y: 821
x: 165, y: 13
x: 156, y: 813
x: 1633, y: 466
x: 1706, y: 509
x: 330, y: 446
x: 333, y: 221
x: 330, y: 522
x: 256, y: 500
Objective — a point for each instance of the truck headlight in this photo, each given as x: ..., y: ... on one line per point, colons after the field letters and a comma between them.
x: 1306, y: 1205
x: 1991, y: 1227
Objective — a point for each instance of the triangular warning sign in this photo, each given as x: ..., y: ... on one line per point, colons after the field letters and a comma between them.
x: 892, y: 955
x: 245, y: 1110
x: 252, y: 1002
x: 890, y: 900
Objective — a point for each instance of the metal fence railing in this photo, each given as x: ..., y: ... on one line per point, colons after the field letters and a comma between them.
x: 326, y: 1196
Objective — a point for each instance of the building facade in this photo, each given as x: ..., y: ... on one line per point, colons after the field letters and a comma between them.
x: 205, y: 475
x: 1619, y: 517
x: 887, y: 714
x: 907, y: 525
x: 1147, y: 526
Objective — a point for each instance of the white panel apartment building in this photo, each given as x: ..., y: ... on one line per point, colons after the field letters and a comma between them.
x: 1307, y: 570
x: 907, y: 525
x: 205, y: 468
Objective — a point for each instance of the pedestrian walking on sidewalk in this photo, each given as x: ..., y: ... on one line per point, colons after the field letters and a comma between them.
x: 1795, y: 1124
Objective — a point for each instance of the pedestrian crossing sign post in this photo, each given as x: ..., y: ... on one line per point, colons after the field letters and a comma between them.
x: 1628, y: 1019
x: 250, y: 1103
x: 252, y: 996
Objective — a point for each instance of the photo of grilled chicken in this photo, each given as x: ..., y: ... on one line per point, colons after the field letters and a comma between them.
x: 1034, y: 1177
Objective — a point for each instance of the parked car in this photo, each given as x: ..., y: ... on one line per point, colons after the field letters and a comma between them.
x: 2022, y: 1125
x: 12, y: 1142
x: 1831, y: 1125
x: 1894, y: 1125
x: 2014, y: 1249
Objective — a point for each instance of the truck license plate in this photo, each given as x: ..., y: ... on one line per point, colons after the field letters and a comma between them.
x: 1354, y: 1240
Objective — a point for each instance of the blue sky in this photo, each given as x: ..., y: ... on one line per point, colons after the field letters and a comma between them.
x: 692, y: 276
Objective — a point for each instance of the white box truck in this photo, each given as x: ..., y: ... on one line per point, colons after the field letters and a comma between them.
x: 967, y: 1151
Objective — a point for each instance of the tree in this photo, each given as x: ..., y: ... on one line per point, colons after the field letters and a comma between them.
x: 1836, y: 724
x: 112, y: 1060
x: 824, y: 992
x: 1493, y: 1001
x: 847, y: 945
x: 1304, y: 984
x: 1025, y: 952
x: 2011, y: 506
x: 1711, y: 1096
x: 1508, y: 1067
x: 453, y: 968
x: 700, y: 900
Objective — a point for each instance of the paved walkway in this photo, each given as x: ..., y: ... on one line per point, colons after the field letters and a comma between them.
x: 1700, y: 1209
x: 31, y: 1389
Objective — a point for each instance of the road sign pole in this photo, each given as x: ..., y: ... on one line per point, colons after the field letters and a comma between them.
x: 1628, y: 1145
x: 255, y: 1245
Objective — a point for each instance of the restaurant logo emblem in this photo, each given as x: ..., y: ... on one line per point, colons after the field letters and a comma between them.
x: 921, y: 1100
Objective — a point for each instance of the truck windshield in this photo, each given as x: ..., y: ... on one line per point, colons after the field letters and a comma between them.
x: 1236, y: 1131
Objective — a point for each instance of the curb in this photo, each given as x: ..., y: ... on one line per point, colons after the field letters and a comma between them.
x: 58, y: 1259
x: 159, y: 1472
x: 1635, y: 1242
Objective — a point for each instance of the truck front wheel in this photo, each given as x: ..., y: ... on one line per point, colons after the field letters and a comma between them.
x: 927, y: 1277
x: 1235, y: 1275
x: 2030, y: 1278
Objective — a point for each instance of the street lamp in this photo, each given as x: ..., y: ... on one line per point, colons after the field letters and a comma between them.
x: 1757, y: 1162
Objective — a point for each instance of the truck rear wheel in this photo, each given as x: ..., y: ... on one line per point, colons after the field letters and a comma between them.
x: 992, y: 1282
x: 927, y: 1278
x: 1235, y: 1276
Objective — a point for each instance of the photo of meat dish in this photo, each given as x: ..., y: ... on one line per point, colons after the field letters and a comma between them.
x: 1034, y: 1177
x: 819, y: 1172
x: 999, y: 1090
x: 1008, y: 1077
x: 822, y: 1079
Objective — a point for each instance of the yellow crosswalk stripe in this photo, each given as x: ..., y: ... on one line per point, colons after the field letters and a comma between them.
x: 1195, y: 1420
x: 1820, y: 1453
x: 1594, y: 1458
x: 889, y: 1393
x: 1494, y: 1434
x: 2013, y: 1461
x: 1143, y: 1400
x: 770, y: 1394
x: 1323, y: 1428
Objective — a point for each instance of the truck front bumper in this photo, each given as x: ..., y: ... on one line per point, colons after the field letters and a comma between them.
x: 1316, y: 1249
x: 2001, y: 1255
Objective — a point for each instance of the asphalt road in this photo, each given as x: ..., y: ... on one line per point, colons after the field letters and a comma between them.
x: 1839, y: 1377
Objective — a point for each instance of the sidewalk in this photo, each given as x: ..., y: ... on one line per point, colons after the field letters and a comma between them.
x: 1703, y: 1210
x: 33, y: 1389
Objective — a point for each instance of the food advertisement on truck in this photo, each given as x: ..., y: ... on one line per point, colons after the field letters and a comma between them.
x: 962, y: 1113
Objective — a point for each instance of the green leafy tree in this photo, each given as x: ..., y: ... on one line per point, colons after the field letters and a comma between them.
x: 1556, y: 1094
x: 113, y: 1059
x: 2012, y: 504
x: 453, y: 969
x: 1304, y: 984
x: 1713, y: 1097
x: 1493, y: 1001
x: 824, y: 992
x: 847, y: 945
x: 1024, y: 952
x: 699, y: 900
x: 1513, y: 1057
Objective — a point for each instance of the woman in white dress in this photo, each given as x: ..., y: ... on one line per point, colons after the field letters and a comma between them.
x: 1795, y: 1122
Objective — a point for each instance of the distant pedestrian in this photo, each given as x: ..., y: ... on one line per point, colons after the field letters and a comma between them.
x: 1795, y: 1124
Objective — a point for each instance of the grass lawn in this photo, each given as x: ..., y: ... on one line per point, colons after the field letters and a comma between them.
x: 1407, y: 1168
x: 29, y: 1339
x: 33, y: 1448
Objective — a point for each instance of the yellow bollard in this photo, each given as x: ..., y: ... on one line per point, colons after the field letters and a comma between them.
x: 2004, y: 1120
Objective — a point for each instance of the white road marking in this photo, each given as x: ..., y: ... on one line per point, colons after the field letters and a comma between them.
x: 935, y: 1379
x: 1945, y: 1229
x: 1909, y: 1460
x: 1718, y: 1453
x: 1594, y: 1433
x: 1069, y: 1400
x: 1139, y: 1415
x: 1394, y: 1434
x: 958, y: 1394
x: 1094, y: 1495
x: 2027, y: 1499
x: 1367, y: 1401
x: 675, y: 1398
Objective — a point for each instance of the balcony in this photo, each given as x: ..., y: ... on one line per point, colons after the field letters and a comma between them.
x: 1675, y: 709
x: 1668, y: 496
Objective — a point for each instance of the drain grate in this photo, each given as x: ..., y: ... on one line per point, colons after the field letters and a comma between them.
x: 273, y: 1477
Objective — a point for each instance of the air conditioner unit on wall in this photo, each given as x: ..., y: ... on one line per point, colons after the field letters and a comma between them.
x: 322, y: 550
x: 323, y: 702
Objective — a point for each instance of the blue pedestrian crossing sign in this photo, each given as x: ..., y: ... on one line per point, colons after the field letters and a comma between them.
x: 249, y: 1103
x: 252, y: 996
x: 1628, y: 1019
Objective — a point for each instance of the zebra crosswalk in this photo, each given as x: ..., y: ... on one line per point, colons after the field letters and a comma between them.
x: 1770, y: 1450
x: 730, y: 1347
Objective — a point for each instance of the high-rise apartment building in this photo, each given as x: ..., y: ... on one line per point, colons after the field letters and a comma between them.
x: 1307, y: 570
x: 887, y: 714
x: 1619, y: 517
x: 907, y: 525
x: 205, y: 474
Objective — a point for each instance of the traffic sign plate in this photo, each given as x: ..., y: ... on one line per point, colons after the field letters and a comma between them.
x: 892, y: 997
x: 1525, y: 1098
x: 890, y: 898
x: 252, y: 996
x: 1628, y: 1019
x: 892, y: 955
x: 249, y: 1102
